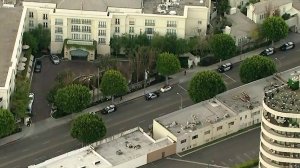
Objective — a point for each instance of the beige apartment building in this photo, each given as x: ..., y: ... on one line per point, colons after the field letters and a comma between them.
x: 89, y: 24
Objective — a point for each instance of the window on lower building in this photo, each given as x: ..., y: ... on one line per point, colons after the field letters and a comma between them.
x: 45, y: 16
x: 245, y: 116
x: 102, y: 33
x: 231, y: 123
x: 183, y: 141
x: 45, y: 24
x: 219, y: 128
x: 241, y: 118
x: 195, y: 137
x: 131, y: 29
x: 58, y: 38
x: 117, y: 29
x: 101, y: 41
x: 207, y: 132
x: 59, y: 30
x: 149, y: 31
x: 171, y: 31
x: 31, y: 23
x: 30, y: 14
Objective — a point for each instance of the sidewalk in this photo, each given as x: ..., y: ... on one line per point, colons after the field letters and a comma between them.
x: 44, y: 125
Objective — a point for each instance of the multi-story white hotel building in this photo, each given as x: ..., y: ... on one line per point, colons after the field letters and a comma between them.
x: 280, y: 132
x: 86, y: 21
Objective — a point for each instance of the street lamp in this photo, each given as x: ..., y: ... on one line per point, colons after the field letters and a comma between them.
x: 180, y: 107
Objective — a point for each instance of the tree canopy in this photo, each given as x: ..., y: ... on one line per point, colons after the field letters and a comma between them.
x: 113, y: 83
x: 274, y: 28
x: 19, y: 98
x: 256, y: 67
x: 223, y: 46
x: 205, y: 85
x: 7, y: 122
x: 222, y: 7
x: 167, y: 64
x: 72, y: 98
x: 88, y: 128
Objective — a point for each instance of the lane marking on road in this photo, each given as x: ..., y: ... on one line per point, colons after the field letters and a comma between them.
x: 241, y: 160
x: 161, y: 114
x: 45, y: 142
x: 181, y: 87
x: 248, y: 157
x: 199, y: 163
x: 24, y: 150
x: 230, y: 160
x: 142, y: 121
x: 229, y: 77
x: 223, y: 163
x: 212, y: 144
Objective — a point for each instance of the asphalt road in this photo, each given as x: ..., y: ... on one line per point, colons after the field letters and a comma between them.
x: 137, y: 112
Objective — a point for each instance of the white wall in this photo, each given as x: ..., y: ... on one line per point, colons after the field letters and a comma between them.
x: 139, y: 161
x: 160, y: 131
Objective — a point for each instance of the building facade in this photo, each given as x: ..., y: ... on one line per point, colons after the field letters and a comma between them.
x: 82, y: 21
x: 280, y: 132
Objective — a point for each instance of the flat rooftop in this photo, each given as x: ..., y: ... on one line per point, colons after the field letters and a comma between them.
x: 129, y: 145
x: 286, y: 75
x: 78, y: 158
x: 248, y: 96
x: 8, y: 34
x: 194, y: 117
x: 176, y: 7
x: 92, y: 5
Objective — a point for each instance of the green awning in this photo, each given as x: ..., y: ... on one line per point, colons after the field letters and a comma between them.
x: 79, y: 53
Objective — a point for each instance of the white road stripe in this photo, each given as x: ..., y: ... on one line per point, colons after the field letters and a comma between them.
x: 181, y: 87
x: 199, y: 163
x: 229, y: 77
x: 45, y: 142
x: 248, y: 157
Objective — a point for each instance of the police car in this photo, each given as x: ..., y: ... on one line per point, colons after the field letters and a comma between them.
x: 287, y: 46
x: 109, y: 109
x: 151, y: 95
x: 268, y: 51
x: 225, y: 67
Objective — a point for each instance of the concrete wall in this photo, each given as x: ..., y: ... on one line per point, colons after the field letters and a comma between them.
x: 196, y: 20
x: 161, y: 153
x: 160, y: 131
x: 136, y: 162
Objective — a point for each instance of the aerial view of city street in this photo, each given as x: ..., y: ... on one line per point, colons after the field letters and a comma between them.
x: 150, y: 84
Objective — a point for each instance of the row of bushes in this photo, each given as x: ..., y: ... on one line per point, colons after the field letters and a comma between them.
x: 249, y: 164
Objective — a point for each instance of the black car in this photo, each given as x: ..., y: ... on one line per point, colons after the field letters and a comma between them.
x: 225, y: 67
x: 109, y: 109
x: 38, y: 66
x: 287, y: 46
x: 151, y: 95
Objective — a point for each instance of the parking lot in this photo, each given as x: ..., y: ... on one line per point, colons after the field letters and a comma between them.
x: 42, y: 82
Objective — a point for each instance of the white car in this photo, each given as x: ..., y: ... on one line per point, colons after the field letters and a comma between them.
x: 287, y: 46
x: 55, y: 59
x: 166, y: 88
x: 31, y: 99
x: 268, y: 51
x: 109, y: 109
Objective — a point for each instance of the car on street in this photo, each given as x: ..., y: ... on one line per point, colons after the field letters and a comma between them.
x: 38, y: 66
x: 151, y: 95
x: 55, y: 59
x: 165, y: 88
x: 225, y: 67
x: 268, y: 51
x: 109, y: 109
x: 287, y: 46
x: 30, y: 103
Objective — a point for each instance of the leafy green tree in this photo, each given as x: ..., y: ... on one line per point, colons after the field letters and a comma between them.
x: 222, y: 46
x: 43, y: 36
x: 19, y: 98
x: 29, y: 39
x: 256, y: 67
x: 113, y: 83
x: 274, y: 28
x: 72, y: 98
x: 88, y: 128
x: 222, y: 7
x: 116, y: 45
x: 198, y: 45
x: 7, y: 122
x: 167, y: 64
x: 205, y: 85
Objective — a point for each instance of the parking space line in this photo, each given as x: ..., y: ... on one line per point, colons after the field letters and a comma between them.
x: 248, y: 157
x: 223, y: 163
x: 229, y: 77
x: 240, y: 159
x: 199, y: 163
x: 181, y: 87
x: 142, y: 121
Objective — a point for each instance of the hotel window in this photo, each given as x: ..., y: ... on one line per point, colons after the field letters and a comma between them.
x: 75, y: 36
x: 149, y: 31
x: 86, y: 29
x: 58, y: 22
x: 195, y: 137
x: 131, y: 22
x: 219, y: 128
x: 102, y: 24
x: 101, y: 32
x: 86, y: 37
x: 131, y: 29
x: 86, y: 21
x: 149, y: 22
x: 30, y: 14
x: 199, y: 30
x: 117, y: 21
x: 45, y: 24
x: 117, y: 29
x: 102, y: 41
x: 245, y: 116
x: 45, y: 16
x: 207, y: 132
x: 231, y: 123
x: 171, y: 24
x: 199, y: 22
x: 58, y: 30
x: 149, y: 37
x: 31, y: 23
x: 171, y: 31
x: 75, y: 28
x: 183, y: 141
x: 58, y: 38
x: 75, y: 21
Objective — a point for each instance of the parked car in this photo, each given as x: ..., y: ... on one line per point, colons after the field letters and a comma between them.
x: 166, y: 88
x: 151, y: 95
x: 55, y: 59
x: 287, y: 46
x: 38, y: 66
x: 268, y: 51
x: 225, y: 67
x: 31, y: 99
x: 109, y: 109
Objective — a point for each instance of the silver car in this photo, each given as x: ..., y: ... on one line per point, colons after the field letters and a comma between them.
x: 55, y: 59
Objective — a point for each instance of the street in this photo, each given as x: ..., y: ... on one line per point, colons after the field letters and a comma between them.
x: 138, y: 112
